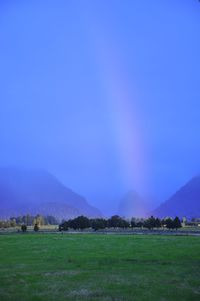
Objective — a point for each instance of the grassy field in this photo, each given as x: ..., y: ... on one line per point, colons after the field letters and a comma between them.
x: 99, y: 267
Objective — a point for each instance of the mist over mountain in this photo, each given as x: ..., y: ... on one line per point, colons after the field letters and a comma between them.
x: 36, y: 191
x: 184, y: 203
x: 33, y: 191
x: 133, y: 205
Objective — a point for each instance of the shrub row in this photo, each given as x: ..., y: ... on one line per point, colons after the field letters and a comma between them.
x: 82, y: 222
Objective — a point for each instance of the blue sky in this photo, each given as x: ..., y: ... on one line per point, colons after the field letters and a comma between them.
x: 103, y: 94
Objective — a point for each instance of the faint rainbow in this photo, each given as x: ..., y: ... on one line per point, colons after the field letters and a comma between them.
x: 122, y: 102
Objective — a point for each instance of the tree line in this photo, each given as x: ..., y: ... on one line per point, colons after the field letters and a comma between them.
x: 82, y: 222
x: 29, y: 220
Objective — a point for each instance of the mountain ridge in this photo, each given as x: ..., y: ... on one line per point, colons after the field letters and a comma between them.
x: 185, y: 202
x: 35, y: 190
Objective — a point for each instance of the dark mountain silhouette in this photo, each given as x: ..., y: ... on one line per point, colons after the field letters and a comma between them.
x: 184, y: 203
x: 30, y: 191
x: 132, y: 205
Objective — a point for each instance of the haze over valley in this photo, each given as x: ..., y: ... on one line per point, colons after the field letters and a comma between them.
x: 99, y: 107
x: 31, y: 191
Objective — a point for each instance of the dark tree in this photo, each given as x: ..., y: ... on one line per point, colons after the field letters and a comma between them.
x: 139, y: 224
x: 158, y: 223
x: 36, y: 228
x: 117, y: 222
x: 98, y: 223
x: 80, y: 222
x: 169, y: 223
x: 125, y: 224
x: 163, y: 223
x: 64, y: 226
x: 147, y: 224
x: 23, y: 228
x: 177, y: 223
x: 150, y: 223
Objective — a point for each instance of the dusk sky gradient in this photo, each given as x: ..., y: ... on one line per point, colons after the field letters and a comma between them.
x: 103, y: 94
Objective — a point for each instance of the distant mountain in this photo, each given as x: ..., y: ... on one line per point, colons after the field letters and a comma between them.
x: 132, y: 205
x: 30, y: 191
x: 185, y: 202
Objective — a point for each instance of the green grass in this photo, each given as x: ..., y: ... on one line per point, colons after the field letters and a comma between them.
x: 99, y: 267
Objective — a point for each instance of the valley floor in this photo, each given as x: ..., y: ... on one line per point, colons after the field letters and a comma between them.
x: 99, y: 267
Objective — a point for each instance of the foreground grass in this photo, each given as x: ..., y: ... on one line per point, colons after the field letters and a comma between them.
x: 99, y: 267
